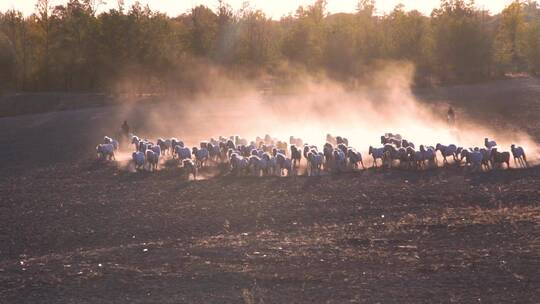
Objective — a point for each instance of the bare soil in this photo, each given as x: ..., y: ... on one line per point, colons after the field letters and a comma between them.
x: 73, y: 230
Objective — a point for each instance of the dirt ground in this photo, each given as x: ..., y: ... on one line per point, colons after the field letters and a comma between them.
x: 73, y: 230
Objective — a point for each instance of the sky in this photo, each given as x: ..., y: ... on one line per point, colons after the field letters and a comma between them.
x: 273, y: 8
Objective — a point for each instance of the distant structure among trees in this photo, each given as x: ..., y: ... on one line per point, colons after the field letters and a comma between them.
x: 72, y: 48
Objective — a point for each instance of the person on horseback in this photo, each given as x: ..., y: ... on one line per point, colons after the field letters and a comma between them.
x: 125, y: 128
x: 451, y: 117
x: 124, y: 131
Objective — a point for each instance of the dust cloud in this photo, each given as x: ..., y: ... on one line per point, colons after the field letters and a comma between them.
x: 314, y: 107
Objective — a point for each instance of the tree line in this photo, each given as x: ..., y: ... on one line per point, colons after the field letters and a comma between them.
x: 71, y: 47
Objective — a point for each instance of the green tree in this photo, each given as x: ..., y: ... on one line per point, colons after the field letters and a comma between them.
x: 227, y: 33
x: 369, y: 37
x: 305, y: 40
x: 7, y: 63
x: 462, y: 42
x: 340, y: 53
x: 532, y: 47
x: 407, y: 34
x: 43, y: 13
x: 509, y: 41
x: 69, y: 47
x: 204, y: 31
x: 76, y: 45
x: 114, y: 48
x: 13, y: 25
x: 257, y: 42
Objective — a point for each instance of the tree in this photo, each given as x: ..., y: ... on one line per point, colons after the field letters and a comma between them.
x: 340, y: 53
x: 368, y: 42
x: 532, y: 47
x: 115, y: 50
x: 304, y: 43
x: 256, y: 45
x: 203, y: 31
x: 43, y: 13
x: 76, y: 29
x: 69, y: 47
x: 406, y: 35
x: 227, y: 33
x: 7, y: 63
x: 510, y: 38
x: 462, y: 42
x: 13, y: 25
